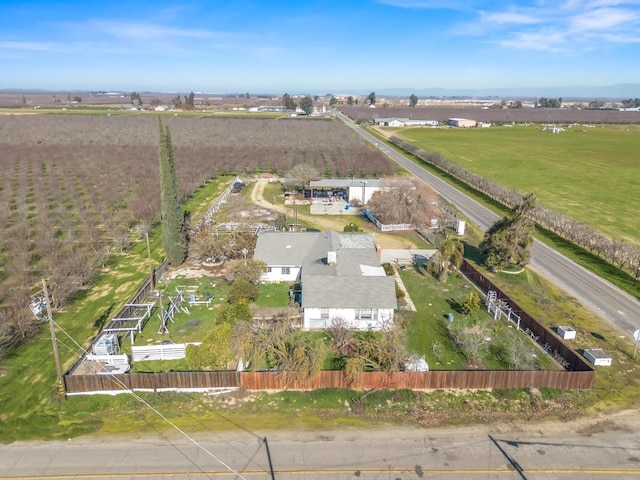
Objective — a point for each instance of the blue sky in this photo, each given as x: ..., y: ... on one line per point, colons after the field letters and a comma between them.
x: 317, y: 46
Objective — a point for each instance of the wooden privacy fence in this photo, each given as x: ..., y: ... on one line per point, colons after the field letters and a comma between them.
x: 434, y: 380
x: 579, y: 374
x: 153, y: 382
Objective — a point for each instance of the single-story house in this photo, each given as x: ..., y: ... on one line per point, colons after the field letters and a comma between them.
x: 339, y: 273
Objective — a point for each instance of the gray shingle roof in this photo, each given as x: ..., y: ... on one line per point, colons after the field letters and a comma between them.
x: 348, y: 292
x: 342, y: 285
x: 284, y: 248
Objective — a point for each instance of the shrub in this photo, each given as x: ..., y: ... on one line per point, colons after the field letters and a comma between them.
x: 214, y: 352
x: 243, y: 290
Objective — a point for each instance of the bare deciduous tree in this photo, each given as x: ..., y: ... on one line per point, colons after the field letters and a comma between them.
x: 405, y: 201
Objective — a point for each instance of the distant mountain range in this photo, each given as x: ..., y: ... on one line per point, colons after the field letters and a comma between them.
x: 579, y: 92
x: 620, y: 91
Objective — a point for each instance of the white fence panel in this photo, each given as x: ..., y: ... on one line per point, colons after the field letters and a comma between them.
x: 171, y: 351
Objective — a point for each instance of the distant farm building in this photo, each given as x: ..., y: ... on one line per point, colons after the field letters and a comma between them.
x: 349, y: 189
x: 461, y: 122
x: 404, y: 122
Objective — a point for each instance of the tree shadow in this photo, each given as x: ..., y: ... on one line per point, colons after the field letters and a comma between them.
x: 455, y: 305
x: 473, y: 253
x: 102, y: 319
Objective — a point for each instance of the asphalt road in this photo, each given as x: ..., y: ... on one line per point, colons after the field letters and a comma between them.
x: 610, y: 303
x: 470, y: 453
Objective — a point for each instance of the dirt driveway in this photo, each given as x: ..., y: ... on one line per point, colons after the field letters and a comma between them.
x: 326, y: 221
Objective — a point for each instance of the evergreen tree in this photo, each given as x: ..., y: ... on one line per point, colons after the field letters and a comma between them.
x: 372, y: 98
x: 447, y: 259
x: 173, y: 221
x: 306, y: 104
x: 508, y: 240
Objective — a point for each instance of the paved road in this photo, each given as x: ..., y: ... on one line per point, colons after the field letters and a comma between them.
x: 469, y: 453
x: 612, y: 304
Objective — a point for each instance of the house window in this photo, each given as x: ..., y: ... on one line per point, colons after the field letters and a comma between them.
x: 286, y: 270
x: 367, y: 314
x: 268, y: 269
x: 324, y: 313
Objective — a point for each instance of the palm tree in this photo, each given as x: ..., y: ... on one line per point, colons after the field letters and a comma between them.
x: 447, y: 259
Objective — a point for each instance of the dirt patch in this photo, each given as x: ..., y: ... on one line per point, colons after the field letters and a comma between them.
x: 192, y: 270
x: 337, y: 223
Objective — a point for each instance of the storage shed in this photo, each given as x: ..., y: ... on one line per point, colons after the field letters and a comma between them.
x: 597, y: 357
x: 567, y: 333
x: 461, y: 122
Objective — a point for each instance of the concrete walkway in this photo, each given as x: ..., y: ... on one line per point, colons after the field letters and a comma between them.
x: 407, y: 299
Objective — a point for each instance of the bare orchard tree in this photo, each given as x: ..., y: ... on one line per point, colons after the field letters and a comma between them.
x: 405, y: 201
x: 339, y: 332
x: 250, y: 270
x: 300, y: 175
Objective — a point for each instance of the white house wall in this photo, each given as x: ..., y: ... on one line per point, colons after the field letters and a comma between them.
x: 355, y: 193
x: 313, y: 318
x: 276, y: 275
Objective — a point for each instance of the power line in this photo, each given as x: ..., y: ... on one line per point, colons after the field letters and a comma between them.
x: 161, y: 415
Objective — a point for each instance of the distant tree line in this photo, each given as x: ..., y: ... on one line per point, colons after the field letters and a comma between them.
x: 621, y: 254
x: 549, y: 102
x: 631, y: 103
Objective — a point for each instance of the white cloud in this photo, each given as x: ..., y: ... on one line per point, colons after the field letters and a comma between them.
x: 28, y: 46
x: 145, y: 30
x: 602, y: 19
x: 512, y: 18
x: 541, y: 41
x: 428, y: 4
x: 583, y: 24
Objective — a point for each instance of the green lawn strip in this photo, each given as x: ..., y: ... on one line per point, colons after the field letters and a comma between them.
x: 205, y: 195
x: 273, y: 295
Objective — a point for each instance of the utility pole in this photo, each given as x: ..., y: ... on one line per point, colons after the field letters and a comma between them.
x: 53, y: 335
x: 151, y: 279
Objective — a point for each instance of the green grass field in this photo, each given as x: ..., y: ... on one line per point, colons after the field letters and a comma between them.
x: 589, y: 174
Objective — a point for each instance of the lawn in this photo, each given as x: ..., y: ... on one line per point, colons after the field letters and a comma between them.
x: 589, y: 174
x: 439, y: 307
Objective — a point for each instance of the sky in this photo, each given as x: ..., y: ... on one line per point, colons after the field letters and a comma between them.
x: 317, y: 46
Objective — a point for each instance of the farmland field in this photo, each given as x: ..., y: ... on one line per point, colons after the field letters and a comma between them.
x: 591, y: 174
x: 76, y: 190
